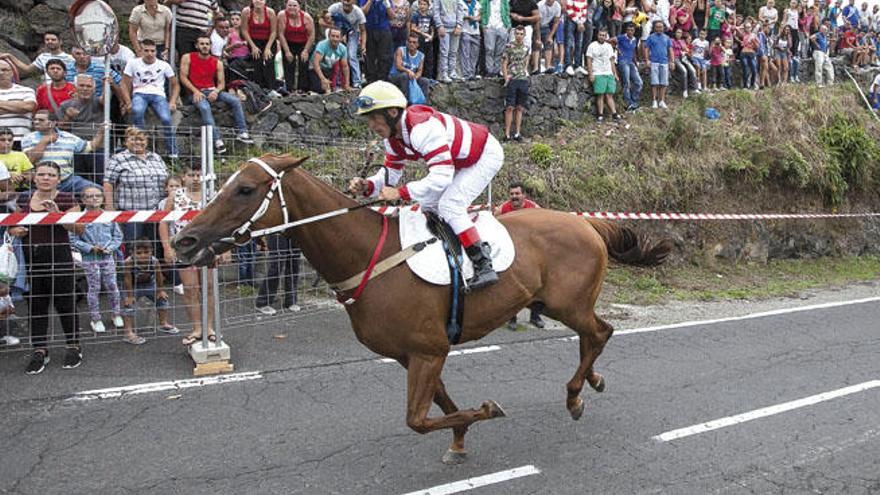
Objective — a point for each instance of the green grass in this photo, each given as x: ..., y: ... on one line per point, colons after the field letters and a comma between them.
x: 778, y: 278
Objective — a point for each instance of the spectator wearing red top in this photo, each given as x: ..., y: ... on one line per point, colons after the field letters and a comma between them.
x: 296, y: 32
x: 52, y: 94
x: 517, y: 200
x: 260, y: 30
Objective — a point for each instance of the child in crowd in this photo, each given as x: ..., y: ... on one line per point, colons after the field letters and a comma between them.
x: 17, y: 163
x: 680, y: 48
x: 699, y: 57
x: 422, y: 23
x: 172, y: 183
x: 98, y: 245
x: 7, y: 309
x: 143, y: 278
x: 727, y: 62
x: 716, y: 58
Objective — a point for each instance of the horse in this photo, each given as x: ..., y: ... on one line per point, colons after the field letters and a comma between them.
x: 561, y: 261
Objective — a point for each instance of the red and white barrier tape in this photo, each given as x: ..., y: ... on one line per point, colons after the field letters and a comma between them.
x: 157, y: 216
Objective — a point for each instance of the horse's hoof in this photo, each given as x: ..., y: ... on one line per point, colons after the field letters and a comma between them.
x: 453, y: 457
x: 495, y: 410
x: 577, y: 410
x: 600, y: 384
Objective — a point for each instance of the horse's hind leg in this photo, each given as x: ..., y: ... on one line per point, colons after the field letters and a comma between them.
x: 594, y: 333
x: 423, y: 387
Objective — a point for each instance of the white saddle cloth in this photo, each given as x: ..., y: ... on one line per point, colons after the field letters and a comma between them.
x: 430, y: 264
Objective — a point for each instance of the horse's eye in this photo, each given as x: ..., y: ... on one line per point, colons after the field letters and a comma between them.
x: 245, y: 190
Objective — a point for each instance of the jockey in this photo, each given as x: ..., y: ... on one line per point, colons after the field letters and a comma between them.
x: 462, y: 159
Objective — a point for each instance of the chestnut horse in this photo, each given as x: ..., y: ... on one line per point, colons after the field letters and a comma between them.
x: 561, y: 261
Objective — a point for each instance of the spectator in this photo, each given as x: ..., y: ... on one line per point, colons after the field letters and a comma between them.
x: 52, y: 94
x: 874, y: 93
x: 17, y: 164
x: 17, y: 104
x: 782, y: 44
x: 851, y: 13
x: 82, y: 115
x: 236, y: 47
x: 219, y: 37
x: 202, y: 74
x: 525, y: 13
x: 578, y: 34
x: 791, y: 18
x: 748, y: 53
x: 727, y: 62
x: 260, y: 30
x: 134, y: 180
x: 603, y: 74
x: 193, y: 19
x: 50, y: 267
x: 768, y: 14
x: 604, y: 9
x: 846, y: 46
x: 150, y: 21
x: 514, y: 68
x: 627, y: 48
x: 296, y: 31
x: 765, y: 56
x: 517, y: 200
x: 808, y: 23
x: 495, y: 19
x: 379, y: 45
x: 422, y: 24
x: 700, y: 59
x: 681, y: 18
x: 350, y: 20
x: 7, y: 309
x: 834, y: 13
x: 329, y: 62
x: 142, y: 275
x: 47, y: 143
x: 680, y: 52
x: 52, y: 42
x: 188, y: 198
x: 717, y: 15
x: 448, y: 16
x: 551, y: 13
x: 97, y: 245
x: 84, y: 64
x: 281, y: 255
x: 144, y: 81
x: 823, y: 68
x: 469, y: 51
x: 119, y: 57
x: 409, y: 63
x: 400, y: 14
x: 661, y: 57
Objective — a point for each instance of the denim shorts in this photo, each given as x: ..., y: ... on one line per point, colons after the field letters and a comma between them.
x: 702, y: 63
x: 517, y: 93
x: 659, y: 74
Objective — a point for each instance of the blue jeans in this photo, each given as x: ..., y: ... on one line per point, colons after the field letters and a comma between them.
x: 75, y: 184
x: 159, y: 104
x: 234, y: 104
x: 244, y: 255
x: 576, y: 42
x: 631, y: 82
x: 750, y: 69
x: 354, y: 62
x: 284, y: 256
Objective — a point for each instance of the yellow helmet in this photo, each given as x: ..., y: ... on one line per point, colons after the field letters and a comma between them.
x: 379, y: 95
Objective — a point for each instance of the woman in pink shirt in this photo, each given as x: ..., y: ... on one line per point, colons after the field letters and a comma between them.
x: 682, y: 64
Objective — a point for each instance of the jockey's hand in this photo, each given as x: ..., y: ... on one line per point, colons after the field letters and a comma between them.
x: 389, y: 194
x: 358, y: 186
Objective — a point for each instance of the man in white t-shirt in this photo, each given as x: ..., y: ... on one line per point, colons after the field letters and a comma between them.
x: 603, y: 74
x: 219, y: 36
x: 550, y: 12
x: 144, y: 81
x: 119, y: 57
x: 52, y: 40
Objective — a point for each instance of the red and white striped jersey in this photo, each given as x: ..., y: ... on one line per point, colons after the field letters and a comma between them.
x: 446, y: 143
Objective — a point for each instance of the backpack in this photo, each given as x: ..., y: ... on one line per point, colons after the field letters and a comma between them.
x: 257, y: 99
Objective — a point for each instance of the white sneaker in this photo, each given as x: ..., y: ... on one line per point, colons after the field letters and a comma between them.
x: 569, y: 70
x: 98, y: 326
x: 118, y: 321
x: 267, y: 310
x: 582, y: 71
x: 685, y: 94
x: 178, y: 289
x: 663, y: 104
x: 244, y: 137
x: 294, y: 308
x: 444, y: 78
x: 10, y: 340
x: 219, y: 146
x: 654, y: 104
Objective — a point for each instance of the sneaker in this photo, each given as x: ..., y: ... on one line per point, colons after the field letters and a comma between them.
x: 600, y: 119
x: 173, y: 156
x: 244, y: 137
x: 98, y: 327
x: 169, y: 329
x: 537, y: 322
x: 219, y: 146
x: 118, y: 322
x: 505, y: 139
x: 134, y: 340
x: 10, y: 340
x: 570, y: 71
x: 178, y: 289
x: 294, y: 308
x: 543, y: 66
x: 518, y: 138
x: 685, y: 94
x: 273, y: 94
x: 38, y: 363
x: 663, y: 104
x: 616, y: 117
x: 551, y: 70
x: 511, y: 325
x: 654, y: 104
x: 723, y: 88
x: 72, y: 358
x: 582, y: 71
x: 444, y: 78
x: 267, y: 310
x: 698, y: 91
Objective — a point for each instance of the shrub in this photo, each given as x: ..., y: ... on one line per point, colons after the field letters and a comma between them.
x: 541, y: 155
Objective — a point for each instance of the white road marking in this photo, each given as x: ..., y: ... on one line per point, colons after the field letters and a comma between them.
x: 143, y: 388
x: 460, y: 352
x: 764, y: 412
x: 774, y: 312
x: 471, y: 483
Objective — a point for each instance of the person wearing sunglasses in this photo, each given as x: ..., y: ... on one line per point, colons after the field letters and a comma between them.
x: 462, y: 159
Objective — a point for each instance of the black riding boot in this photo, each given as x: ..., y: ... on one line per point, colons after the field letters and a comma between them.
x: 484, y: 274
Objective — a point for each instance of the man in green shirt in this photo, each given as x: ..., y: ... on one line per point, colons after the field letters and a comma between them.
x: 514, y: 68
x: 716, y: 16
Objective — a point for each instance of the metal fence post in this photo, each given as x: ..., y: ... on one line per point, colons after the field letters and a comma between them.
x: 208, y: 191
x: 203, y: 272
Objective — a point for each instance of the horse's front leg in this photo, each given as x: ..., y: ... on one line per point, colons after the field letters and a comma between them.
x: 423, y: 387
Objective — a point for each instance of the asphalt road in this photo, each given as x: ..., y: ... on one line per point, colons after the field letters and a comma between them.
x: 324, y: 416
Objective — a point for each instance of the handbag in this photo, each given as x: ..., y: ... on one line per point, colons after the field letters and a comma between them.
x: 8, y: 261
x: 415, y: 94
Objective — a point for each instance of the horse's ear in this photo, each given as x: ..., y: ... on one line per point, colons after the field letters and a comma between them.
x: 287, y: 162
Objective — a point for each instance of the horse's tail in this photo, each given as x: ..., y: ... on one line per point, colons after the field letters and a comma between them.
x: 624, y: 246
